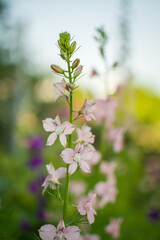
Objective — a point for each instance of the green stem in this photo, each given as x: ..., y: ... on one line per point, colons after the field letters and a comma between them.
x: 69, y: 146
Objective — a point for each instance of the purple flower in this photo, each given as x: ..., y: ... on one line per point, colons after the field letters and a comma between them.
x: 25, y: 225
x: 35, y: 162
x: 154, y: 215
x: 35, y: 185
x: 36, y: 143
x: 41, y: 214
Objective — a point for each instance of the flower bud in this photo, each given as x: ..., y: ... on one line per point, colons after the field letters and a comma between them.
x: 72, y: 47
x: 75, y: 63
x: 67, y: 44
x: 70, y: 87
x: 78, y: 71
x: 57, y: 69
x: 65, y: 35
x: 63, y: 55
x: 61, y: 45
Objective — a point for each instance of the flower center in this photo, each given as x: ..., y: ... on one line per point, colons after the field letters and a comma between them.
x: 77, y: 157
x: 88, y: 207
x: 58, y: 130
x: 59, y: 236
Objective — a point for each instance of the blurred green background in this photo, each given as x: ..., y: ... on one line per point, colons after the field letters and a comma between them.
x: 26, y: 98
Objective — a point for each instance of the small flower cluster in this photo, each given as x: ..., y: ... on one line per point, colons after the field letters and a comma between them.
x: 106, y: 114
x: 107, y: 191
x: 78, y: 154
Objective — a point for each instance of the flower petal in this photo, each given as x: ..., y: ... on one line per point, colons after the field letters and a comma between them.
x: 57, y: 119
x: 90, y: 217
x: 63, y: 139
x: 50, y: 168
x: 84, y: 166
x: 72, y: 168
x: 67, y: 155
x: 51, y: 139
x: 72, y: 233
x: 81, y: 207
x: 47, y: 232
x: 61, y: 225
x: 48, y: 125
x: 68, y: 127
x: 61, y: 172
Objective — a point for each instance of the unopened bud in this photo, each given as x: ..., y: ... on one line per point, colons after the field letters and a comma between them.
x: 78, y: 71
x: 72, y: 47
x: 61, y: 45
x: 57, y: 69
x: 67, y: 44
x: 75, y: 63
x: 70, y: 87
x: 63, y: 55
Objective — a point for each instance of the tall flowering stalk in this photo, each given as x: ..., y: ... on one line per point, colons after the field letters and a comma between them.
x: 77, y: 154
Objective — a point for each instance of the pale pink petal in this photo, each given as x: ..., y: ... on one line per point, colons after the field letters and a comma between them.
x: 72, y: 233
x: 61, y: 172
x: 87, y: 154
x: 92, y: 116
x: 78, y: 148
x: 48, y: 125
x: 88, y: 118
x: 113, y: 227
x: 47, y: 232
x: 50, y: 168
x: 90, y: 217
x: 91, y: 106
x: 94, y: 211
x: 84, y: 105
x: 118, y: 145
x: 57, y: 119
x: 45, y: 184
x: 51, y: 139
x: 67, y: 155
x: 77, y: 188
x: 72, y: 168
x: 63, y: 139
x: 68, y: 127
x: 84, y: 166
x: 100, y: 188
x: 50, y: 180
x: 61, y: 225
x: 81, y: 207
x: 90, y: 237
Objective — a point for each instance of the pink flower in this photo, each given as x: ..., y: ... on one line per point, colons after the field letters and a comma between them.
x: 96, y: 156
x: 108, y: 169
x: 60, y: 89
x: 53, y: 177
x: 90, y: 237
x: 88, y: 109
x: 116, y: 135
x: 57, y: 129
x: 77, y: 157
x: 114, y: 227
x: 85, y: 206
x: 84, y: 135
x: 77, y: 188
x: 106, y: 110
x: 107, y: 191
x: 50, y: 232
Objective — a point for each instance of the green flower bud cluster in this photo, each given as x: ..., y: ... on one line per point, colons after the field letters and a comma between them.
x: 66, y: 48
